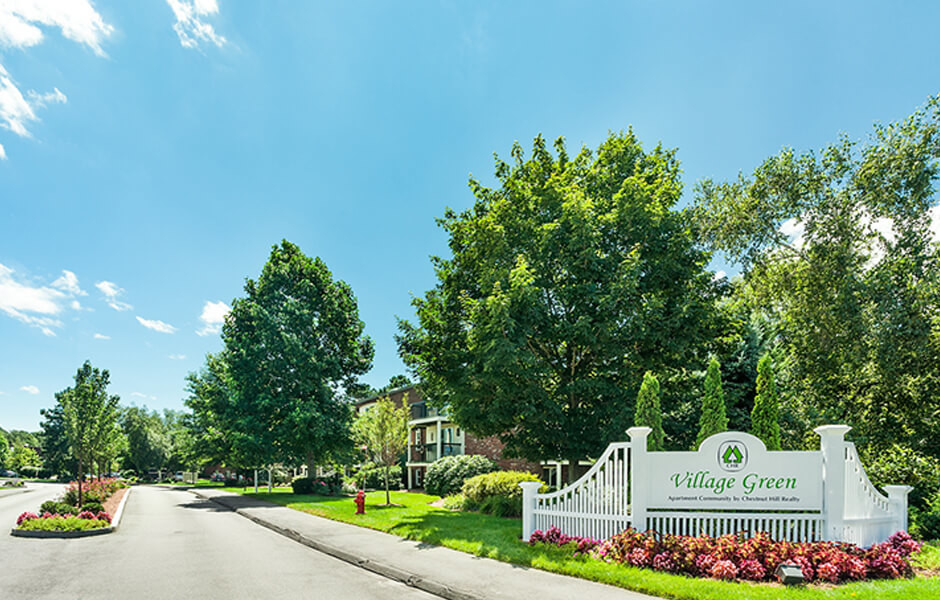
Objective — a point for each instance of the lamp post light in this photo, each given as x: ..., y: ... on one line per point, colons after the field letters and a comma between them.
x: 789, y: 574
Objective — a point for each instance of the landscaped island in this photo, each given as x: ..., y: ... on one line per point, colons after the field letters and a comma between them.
x: 67, y: 515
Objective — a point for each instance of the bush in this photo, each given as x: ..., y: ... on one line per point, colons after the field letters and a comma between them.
x: 447, y: 475
x: 93, y: 490
x: 92, y: 506
x: 736, y: 557
x: 456, y: 502
x: 375, y: 478
x: 61, y: 523
x: 926, y: 524
x: 898, y: 465
x: 330, y: 485
x: 498, y: 493
x: 57, y: 508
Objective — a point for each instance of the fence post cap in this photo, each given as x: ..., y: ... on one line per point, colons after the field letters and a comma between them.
x: 898, y: 491
x: 530, y: 485
x: 639, y: 431
x: 832, y: 430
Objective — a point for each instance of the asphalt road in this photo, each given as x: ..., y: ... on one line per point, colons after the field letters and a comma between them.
x: 173, y: 545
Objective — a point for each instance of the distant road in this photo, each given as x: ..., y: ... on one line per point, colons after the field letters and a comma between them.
x: 175, y: 546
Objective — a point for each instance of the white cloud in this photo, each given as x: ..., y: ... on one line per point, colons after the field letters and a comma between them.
x: 111, y: 292
x: 794, y: 230
x: 101, y: 336
x: 177, y: 357
x: 68, y: 283
x: 140, y: 395
x: 30, y: 389
x: 37, y: 306
x: 156, y: 325
x: 190, y: 25
x: 718, y: 275
x: 212, y: 317
x: 20, y: 22
x: 76, y: 19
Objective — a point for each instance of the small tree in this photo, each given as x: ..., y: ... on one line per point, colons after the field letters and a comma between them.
x: 24, y: 458
x: 383, y: 430
x: 714, y: 418
x: 4, y: 451
x: 649, y: 413
x: 89, y: 415
x: 765, y: 423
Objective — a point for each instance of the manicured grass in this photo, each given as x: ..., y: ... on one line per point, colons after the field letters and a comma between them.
x: 498, y: 538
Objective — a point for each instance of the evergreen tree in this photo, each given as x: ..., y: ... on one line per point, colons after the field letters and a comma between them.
x: 714, y: 418
x: 649, y: 413
x: 764, y: 420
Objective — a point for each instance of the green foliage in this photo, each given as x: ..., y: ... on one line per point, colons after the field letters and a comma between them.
x: 649, y: 413
x: 456, y: 502
x: 55, y: 507
x: 90, y: 417
x: 63, y: 524
x: 4, y: 451
x: 765, y: 422
x: 372, y: 477
x: 211, y: 421
x: 57, y: 455
x: 24, y: 459
x: 713, y: 419
x: 897, y: 465
x: 838, y: 250
x: 292, y: 344
x: 925, y: 524
x: 383, y: 433
x: 567, y: 282
x: 446, y: 475
x: 330, y: 485
x: 497, y: 493
x: 148, y: 445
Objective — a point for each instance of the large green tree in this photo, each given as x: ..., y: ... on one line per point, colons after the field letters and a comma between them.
x: 89, y: 414
x: 838, y: 251
x: 4, y: 451
x: 57, y: 455
x: 293, y: 344
x: 148, y: 443
x: 566, y: 283
x: 213, y: 418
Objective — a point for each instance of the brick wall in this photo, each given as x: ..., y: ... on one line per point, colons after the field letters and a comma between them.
x: 491, y: 447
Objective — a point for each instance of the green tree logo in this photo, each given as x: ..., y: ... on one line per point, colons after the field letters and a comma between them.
x: 732, y: 456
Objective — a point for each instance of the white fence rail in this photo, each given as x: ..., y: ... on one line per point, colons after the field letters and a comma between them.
x: 616, y: 493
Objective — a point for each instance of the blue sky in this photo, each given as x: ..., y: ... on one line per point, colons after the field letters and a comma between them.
x: 154, y: 151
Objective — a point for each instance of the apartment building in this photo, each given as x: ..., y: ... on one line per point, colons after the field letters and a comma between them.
x: 432, y: 435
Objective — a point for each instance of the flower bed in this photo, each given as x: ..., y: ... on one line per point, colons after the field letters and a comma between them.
x: 68, y: 522
x: 732, y: 557
x: 66, y: 516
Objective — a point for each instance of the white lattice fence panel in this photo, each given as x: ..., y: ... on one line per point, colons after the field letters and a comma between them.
x: 595, y: 506
x: 789, y: 527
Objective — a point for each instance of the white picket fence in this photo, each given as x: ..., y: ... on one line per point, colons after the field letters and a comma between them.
x: 614, y: 494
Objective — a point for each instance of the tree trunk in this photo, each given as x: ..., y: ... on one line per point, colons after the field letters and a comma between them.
x: 572, y: 470
x: 388, y: 499
x: 81, y: 477
x: 310, y: 466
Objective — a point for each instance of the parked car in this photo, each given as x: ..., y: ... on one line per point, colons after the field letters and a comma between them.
x: 7, y: 473
x: 178, y: 476
x: 217, y: 477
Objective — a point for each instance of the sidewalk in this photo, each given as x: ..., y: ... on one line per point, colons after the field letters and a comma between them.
x: 441, y: 571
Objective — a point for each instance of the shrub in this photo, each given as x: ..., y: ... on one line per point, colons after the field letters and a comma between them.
x: 93, y: 490
x: 62, y: 523
x: 497, y: 493
x: 926, y: 524
x: 447, y: 475
x: 92, y: 506
x: 756, y: 558
x: 456, y: 502
x: 330, y: 485
x: 898, y: 465
x: 374, y: 478
x: 57, y: 508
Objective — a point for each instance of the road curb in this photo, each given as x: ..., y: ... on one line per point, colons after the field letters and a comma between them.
x: 47, y: 535
x: 385, y: 570
x: 13, y: 492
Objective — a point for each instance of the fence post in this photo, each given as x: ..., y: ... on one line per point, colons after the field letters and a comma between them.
x: 897, y: 498
x: 639, y: 478
x: 529, y: 490
x: 832, y: 446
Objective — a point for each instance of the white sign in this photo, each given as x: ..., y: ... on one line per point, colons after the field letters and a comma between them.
x: 734, y: 471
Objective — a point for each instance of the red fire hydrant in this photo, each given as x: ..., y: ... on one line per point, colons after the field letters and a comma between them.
x: 360, y: 502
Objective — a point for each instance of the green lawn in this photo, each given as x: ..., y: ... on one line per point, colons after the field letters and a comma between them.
x: 498, y: 538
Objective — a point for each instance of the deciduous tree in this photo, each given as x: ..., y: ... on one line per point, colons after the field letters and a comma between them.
x: 566, y: 283
x: 292, y: 345
x: 383, y: 431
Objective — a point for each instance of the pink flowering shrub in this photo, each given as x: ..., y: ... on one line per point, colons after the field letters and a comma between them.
x: 93, y: 490
x: 731, y: 557
x: 554, y: 537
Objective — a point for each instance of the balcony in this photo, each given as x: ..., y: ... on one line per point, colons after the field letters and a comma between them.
x: 428, y: 452
x: 420, y: 410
